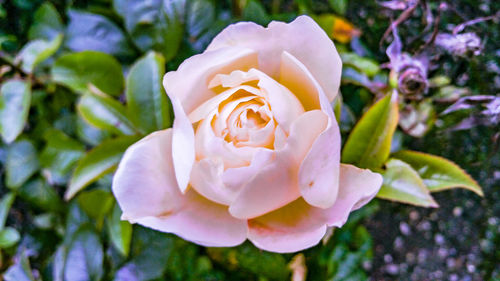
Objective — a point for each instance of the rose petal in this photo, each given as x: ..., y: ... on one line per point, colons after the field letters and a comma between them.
x: 146, y: 190
x: 206, y: 179
x: 300, y: 82
x: 275, y: 184
x: 144, y: 183
x: 357, y: 187
x: 302, y: 38
x: 319, y: 172
x: 201, y: 221
x: 190, y: 82
x: 299, y: 225
x: 285, y: 106
x: 292, y: 228
x: 183, y: 146
x: 208, y: 145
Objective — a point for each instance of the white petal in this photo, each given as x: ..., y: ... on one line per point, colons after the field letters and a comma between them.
x: 302, y: 38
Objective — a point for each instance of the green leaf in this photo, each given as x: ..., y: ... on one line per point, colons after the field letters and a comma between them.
x: 90, y: 134
x: 96, y: 203
x: 200, y: 16
x: 254, y: 11
x: 9, y: 237
x: 84, y: 260
x: 155, y: 25
x: 438, y: 173
x: 21, y: 164
x: 47, y: 23
x: 20, y: 271
x: 59, y: 156
x: 147, y: 101
x: 339, y: 6
x: 41, y: 195
x: 15, y: 98
x: 38, y: 51
x: 364, y: 65
x: 78, y: 71
x: 105, y: 113
x: 150, y: 252
x: 87, y: 31
x: 369, y: 144
x: 403, y: 184
x: 247, y: 257
x: 119, y: 231
x: 98, y: 162
x: 5, y: 205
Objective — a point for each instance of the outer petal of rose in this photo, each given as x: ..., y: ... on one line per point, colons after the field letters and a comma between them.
x: 299, y: 223
x: 183, y: 149
x: 357, y: 187
x: 319, y: 172
x: 302, y: 38
x: 292, y: 228
x: 145, y: 184
x: 202, y: 222
x: 275, y: 184
x: 190, y: 82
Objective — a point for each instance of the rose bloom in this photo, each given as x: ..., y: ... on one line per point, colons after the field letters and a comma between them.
x: 254, y: 152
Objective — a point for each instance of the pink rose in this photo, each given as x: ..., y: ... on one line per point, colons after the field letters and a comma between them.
x: 254, y: 151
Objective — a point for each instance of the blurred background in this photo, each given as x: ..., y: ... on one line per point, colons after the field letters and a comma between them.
x: 61, y: 140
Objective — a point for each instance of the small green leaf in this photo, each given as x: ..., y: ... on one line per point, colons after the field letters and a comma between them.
x: 403, y: 184
x: 150, y: 253
x: 96, y: 203
x: 15, y: 98
x: 38, y: 51
x: 5, y: 205
x: 84, y: 259
x: 38, y: 193
x: 47, y: 23
x: 79, y: 71
x: 364, y: 65
x: 87, y: 31
x: 22, y: 163
x: 59, y: 156
x: 147, y: 101
x: 90, y: 134
x: 369, y: 144
x: 119, y: 231
x: 98, y: 162
x: 200, y: 16
x: 105, y: 113
x: 155, y: 25
x: 438, y: 173
x: 338, y: 6
x: 254, y: 11
x: 9, y: 237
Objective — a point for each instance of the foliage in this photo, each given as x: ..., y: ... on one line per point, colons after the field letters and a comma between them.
x: 81, y: 81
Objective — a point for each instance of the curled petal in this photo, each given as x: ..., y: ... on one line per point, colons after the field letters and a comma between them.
x: 302, y: 225
x: 275, y: 184
x: 206, y: 179
x: 189, y: 83
x: 357, y: 187
x: 319, y: 172
x: 302, y: 38
x: 182, y: 144
x: 146, y: 177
